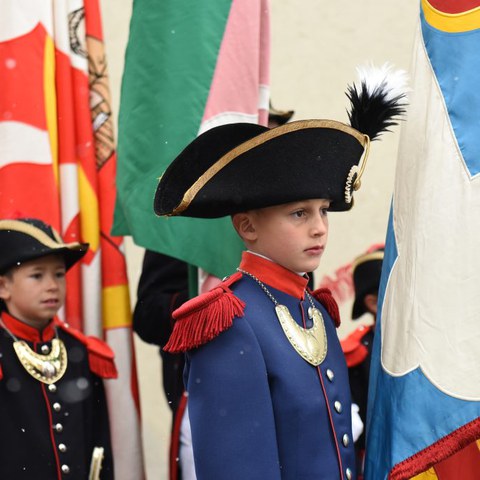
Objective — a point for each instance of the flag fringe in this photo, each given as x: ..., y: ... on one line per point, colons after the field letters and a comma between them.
x: 438, y: 451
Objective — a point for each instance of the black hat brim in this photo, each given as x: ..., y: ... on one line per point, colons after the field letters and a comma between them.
x: 239, y: 167
x: 22, y: 241
x: 366, y: 278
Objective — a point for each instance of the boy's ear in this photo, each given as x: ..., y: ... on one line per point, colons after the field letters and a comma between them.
x: 244, y: 226
x: 4, y: 290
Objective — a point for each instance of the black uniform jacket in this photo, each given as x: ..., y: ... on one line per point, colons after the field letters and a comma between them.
x: 49, y: 431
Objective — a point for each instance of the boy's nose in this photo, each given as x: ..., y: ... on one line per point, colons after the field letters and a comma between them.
x: 319, y: 227
x: 52, y: 283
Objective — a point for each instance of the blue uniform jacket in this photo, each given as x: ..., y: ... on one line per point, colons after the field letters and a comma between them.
x: 257, y: 409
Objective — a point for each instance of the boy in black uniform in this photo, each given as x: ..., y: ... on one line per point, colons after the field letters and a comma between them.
x: 53, y: 410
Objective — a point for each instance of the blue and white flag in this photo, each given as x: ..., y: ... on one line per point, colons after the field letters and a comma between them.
x: 424, y: 402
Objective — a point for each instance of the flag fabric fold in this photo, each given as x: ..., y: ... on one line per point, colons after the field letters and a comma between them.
x: 189, y: 66
x: 57, y: 163
x: 424, y: 400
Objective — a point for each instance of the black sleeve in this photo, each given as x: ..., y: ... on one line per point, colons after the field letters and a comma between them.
x: 162, y: 288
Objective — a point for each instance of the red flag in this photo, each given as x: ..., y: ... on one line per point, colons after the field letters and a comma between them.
x: 57, y: 163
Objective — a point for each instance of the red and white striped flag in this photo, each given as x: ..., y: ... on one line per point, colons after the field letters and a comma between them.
x: 57, y: 163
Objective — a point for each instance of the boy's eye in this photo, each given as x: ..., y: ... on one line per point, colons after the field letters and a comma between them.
x: 324, y: 211
x: 36, y: 275
x: 60, y: 274
x: 299, y: 213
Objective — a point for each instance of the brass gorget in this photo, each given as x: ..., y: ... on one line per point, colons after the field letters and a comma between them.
x: 309, y: 343
x: 45, y: 368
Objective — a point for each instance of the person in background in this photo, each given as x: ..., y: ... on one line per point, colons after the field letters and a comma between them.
x: 53, y: 410
x: 357, y: 346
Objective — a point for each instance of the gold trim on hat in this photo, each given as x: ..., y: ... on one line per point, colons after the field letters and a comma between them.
x: 191, y: 193
x: 363, y: 163
x: 377, y: 255
x: 38, y: 234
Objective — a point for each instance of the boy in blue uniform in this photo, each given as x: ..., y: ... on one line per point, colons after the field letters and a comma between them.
x: 53, y: 410
x: 265, y: 373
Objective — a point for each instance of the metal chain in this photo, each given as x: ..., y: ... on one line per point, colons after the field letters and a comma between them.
x: 267, y: 291
x: 15, y: 339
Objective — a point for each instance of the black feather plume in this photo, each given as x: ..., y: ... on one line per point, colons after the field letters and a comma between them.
x: 379, y: 102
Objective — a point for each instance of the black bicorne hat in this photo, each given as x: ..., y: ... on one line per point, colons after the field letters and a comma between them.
x: 25, y: 239
x: 367, y: 269
x: 238, y: 167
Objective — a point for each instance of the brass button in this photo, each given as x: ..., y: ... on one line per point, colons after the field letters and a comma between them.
x: 58, y: 427
x: 52, y: 388
x: 348, y: 474
x: 346, y: 440
x: 62, y: 447
x: 338, y: 406
x: 57, y: 407
x: 330, y: 374
x: 45, y: 349
x: 65, y: 469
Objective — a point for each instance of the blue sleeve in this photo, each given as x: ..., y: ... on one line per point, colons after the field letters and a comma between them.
x: 230, y: 409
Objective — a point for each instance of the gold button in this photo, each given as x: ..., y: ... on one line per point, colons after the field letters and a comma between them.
x: 348, y: 474
x: 338, y: 406
x: 57, y: 407
x: 65, y: 469
x: 345, y: 440
x: 58, y: 428
x: 62, y: 447
x: 330, y: 374
x: 45, y: 349
x: 52, y: 388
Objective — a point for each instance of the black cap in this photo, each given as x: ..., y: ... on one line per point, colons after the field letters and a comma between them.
x: 367, y: 269
x: 279, y: 117
x: 25, y: 239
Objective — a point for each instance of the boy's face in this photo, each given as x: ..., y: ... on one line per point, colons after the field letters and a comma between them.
x: 35, y: 290
x: 293, y: 235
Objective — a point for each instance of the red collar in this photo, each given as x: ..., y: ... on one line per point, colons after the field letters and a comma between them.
x: 274, y: 275
x: 26, y: 332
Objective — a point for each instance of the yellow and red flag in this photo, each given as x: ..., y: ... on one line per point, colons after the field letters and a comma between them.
x: 57, y: 163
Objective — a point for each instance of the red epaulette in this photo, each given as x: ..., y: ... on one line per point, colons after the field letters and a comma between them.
x: 325, y: 297
x: 205, y: 317
x: 100, y: 355
x: 354, y: 350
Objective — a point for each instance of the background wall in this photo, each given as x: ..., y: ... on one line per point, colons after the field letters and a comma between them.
x: 316, y: 45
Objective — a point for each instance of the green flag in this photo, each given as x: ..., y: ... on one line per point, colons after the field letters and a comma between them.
x: 190, y: 65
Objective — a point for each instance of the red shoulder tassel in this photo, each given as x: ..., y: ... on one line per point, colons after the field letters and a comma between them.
x: 204, y: 317
x: 325, y: 297
x: 101, y: 358
x: 1, y: 372
x: 100, y: 355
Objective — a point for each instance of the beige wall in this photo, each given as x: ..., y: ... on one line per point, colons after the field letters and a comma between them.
x: 316, y: 45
